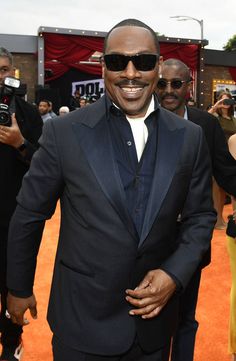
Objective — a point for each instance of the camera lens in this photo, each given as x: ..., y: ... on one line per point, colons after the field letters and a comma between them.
x: 5, y: 118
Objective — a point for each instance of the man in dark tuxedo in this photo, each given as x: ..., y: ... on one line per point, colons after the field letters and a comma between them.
x: 172, y: 89
x: 125, y: 170
x: 19, y: 133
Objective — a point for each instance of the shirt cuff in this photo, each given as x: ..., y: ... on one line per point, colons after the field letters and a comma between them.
x: 21, y: 294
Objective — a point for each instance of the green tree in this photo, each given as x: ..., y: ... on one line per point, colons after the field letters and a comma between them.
x: 159, y: 34
x: 231, y: 44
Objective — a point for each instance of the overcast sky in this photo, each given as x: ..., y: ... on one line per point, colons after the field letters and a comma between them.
x: 26, y: 16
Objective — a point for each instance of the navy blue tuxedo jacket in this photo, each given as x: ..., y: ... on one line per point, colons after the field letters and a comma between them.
x: 99, y: 255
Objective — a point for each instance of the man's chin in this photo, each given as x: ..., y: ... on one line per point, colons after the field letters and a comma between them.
x: 169, y: 106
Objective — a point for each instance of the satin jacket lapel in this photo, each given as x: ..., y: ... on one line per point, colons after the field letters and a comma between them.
x: 97, y: 147
x: 168, y: 149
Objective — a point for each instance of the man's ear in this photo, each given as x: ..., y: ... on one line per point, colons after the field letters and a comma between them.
x: 190, y: 84
x: 160, y: 65
x: 102, y: 65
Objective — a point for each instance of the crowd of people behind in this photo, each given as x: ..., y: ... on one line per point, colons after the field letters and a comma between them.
x: 77, y: 101
x: 120, y: 250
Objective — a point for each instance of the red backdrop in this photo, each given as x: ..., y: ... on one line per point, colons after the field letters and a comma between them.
x: 232, y: 71
x: 63, y: 52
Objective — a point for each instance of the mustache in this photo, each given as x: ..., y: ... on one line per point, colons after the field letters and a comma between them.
x: 132, y: 82
x: 165, y: 95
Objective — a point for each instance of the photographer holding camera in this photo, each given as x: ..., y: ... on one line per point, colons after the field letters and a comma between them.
x: 20, y: 129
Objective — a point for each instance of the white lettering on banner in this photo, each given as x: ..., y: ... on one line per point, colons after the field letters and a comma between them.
x: 89, y: 87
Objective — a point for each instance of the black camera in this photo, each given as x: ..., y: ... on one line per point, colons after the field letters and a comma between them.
x: 7, y: 91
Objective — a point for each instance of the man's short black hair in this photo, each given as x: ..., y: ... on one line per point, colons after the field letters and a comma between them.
x: 133, y: 22
x: 45, y: 101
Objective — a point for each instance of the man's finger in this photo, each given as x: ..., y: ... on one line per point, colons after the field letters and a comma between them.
x: 148, y: 291
x: 144, y: 283
x: 19, y: 320
x: 142, y: 302
x: 144, y: 311
x: 153, y: 313
x: 33, y: 312
x: 13, y: 119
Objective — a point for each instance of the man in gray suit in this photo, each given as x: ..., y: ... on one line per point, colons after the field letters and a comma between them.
x: 126, y: 172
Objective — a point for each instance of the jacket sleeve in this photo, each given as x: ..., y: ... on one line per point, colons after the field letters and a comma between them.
x: 37, y: 201
x: 30, y: 124
x: 197, y: 219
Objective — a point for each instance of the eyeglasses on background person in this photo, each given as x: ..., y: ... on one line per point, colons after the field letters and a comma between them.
x: 175, y: 84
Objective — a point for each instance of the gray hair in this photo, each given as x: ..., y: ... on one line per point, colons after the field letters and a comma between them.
x: 5, y: 53
x: 64, y: 109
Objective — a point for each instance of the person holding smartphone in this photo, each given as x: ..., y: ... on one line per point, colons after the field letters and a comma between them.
x: 223, y: 109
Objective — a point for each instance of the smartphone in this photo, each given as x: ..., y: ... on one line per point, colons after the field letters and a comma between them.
x: 229, y: 101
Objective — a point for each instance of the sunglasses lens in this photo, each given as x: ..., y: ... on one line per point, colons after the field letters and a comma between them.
x: 142, y: 62
x: 145, y: 62
x: 115, y: 62
x: 162, y: 84
x: 176, y: 84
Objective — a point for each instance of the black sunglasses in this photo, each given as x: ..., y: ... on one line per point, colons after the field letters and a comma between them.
x: 142, y: 62
x: 175, y: 84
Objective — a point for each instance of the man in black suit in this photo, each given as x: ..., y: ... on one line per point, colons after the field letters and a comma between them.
x: 18, y: 142
x: 172, y: 89
x: 124, y: 170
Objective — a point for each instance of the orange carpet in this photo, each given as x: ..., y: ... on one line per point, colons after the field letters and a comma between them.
x: 212, y: 311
